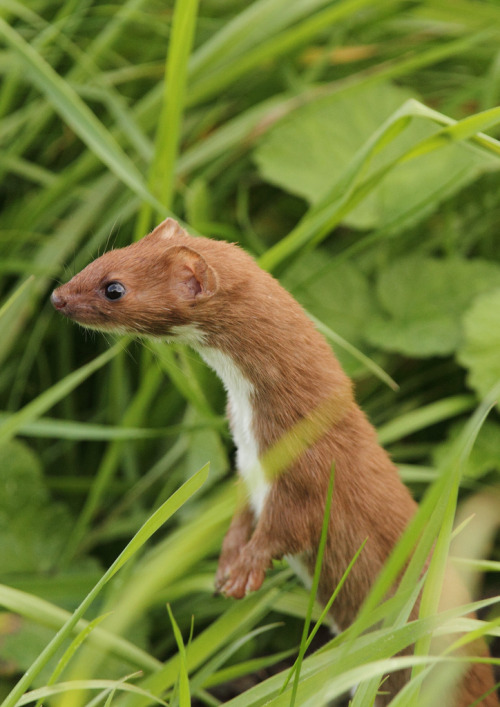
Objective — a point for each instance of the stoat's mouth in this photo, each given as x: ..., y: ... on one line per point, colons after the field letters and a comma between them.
x: 83, y: 313
x: 72, y: 308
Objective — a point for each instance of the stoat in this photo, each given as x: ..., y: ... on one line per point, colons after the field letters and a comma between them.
x: 291, y: 410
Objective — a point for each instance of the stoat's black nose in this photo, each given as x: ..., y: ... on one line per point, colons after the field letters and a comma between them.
x: 58, y: 301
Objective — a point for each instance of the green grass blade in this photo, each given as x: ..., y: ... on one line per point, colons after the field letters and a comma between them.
x: 334, y: 659
x: 331, y: 600
x: 110, y: 461
x: 184, y: 692
x: 46, y: 427
x: 355, y: 353
x: 175, y: 88
x: 233, y: 672
x: 13, y: 297
x: 53, y: 395
x: 43, y: 693
x: 273, y: 48
x: 77, y: 114
x: 349, y: 190
x: 46, y: 614
x: 469, y: 127
x: 203, y: 676
x: 161, y: 180
x: 424, y: 417
x: 314, y: 588
x: 433, y: 587
x: 231, y: 623
x: 159, y: 518
x: 70, y: 651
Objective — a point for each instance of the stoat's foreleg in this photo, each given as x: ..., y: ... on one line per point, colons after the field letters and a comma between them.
x: 236, y: 538
x: 278, y: 532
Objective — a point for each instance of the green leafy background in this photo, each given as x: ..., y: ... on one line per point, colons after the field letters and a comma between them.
x: 307, y: 153
x: 352, y: 147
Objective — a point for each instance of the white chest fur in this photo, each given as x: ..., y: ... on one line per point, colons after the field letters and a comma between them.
x: 239, y: 392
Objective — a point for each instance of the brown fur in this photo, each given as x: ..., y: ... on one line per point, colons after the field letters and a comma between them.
x: 174, y: 279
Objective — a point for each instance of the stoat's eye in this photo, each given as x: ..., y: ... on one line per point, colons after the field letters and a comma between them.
x: 114, y: 290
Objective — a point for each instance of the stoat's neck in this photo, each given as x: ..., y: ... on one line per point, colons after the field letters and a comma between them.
x: 277, y: 371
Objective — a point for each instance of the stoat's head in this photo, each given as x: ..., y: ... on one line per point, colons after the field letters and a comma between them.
x: 147, y: 288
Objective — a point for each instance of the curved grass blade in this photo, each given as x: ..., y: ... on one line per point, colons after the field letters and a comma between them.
x: 207, y: 675
x: 423, y: 417
x: 355, y: 353
x: 184, y: 692
x: 349, y: 190
x: 43, y: 692
x: 239, y: 617
x: 70, y: 651
x: 44, y: 613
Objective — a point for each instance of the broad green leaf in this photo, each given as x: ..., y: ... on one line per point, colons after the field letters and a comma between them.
x: 485, y: 455
x: 352, y: 188
x: 424, y: 300
x: 480, y: 352
x: 32, y: 528
x: 366, y: 363
x: 308, y: 151
x: 348, y: 306
x: 156, y: 520
x: 341, y: 317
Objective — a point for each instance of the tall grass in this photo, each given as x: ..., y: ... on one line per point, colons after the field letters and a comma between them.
x: 114, y: 117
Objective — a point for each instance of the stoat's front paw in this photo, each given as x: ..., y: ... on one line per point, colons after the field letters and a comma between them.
x: 226, y: 561
x: 243, y: 575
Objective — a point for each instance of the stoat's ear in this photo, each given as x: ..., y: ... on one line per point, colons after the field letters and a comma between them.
x: 166, y: 229
x: 190, y: 276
